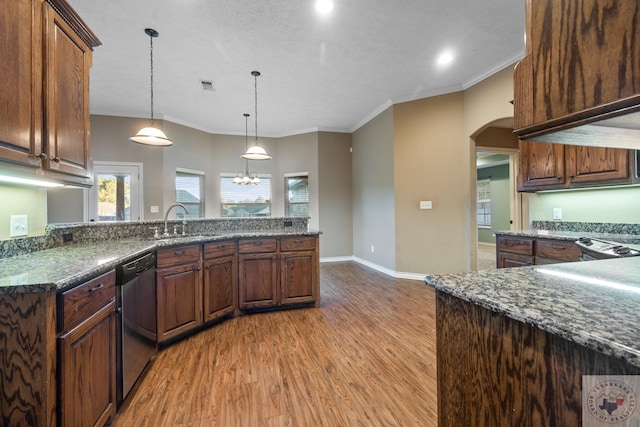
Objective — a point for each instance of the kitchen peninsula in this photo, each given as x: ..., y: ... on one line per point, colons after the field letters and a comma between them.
x: 59, y: 288
x: 513, y: 343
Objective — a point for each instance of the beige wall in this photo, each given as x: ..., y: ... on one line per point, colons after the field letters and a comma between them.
x: 334, y: 194
x: 497, y: 138
x: 429, y: 160
x: 373, y: 192
x: 299, y: 153
x: 19, y: 200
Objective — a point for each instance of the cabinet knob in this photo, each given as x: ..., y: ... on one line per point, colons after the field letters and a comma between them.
x: 42, y: 156
x: 56, y: 159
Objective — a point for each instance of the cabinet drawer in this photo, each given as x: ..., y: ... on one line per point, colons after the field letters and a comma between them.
x: 178, y: 255
x: 218, y: 249
x: 79, y: 303
x: 558, y: 249
x: 257, y: 245
x: 297, y: 243
x: 516, y: 245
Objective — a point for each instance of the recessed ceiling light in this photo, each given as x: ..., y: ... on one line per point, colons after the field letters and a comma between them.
x: 324, y: 6
x: 445, y: 58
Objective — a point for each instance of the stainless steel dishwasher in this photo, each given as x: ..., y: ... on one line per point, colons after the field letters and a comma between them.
x: 136, y: 320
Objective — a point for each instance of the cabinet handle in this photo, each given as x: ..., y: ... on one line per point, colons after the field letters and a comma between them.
x: 198, y: 269
x: 562, y: 248
x: 258, y: 243
x: 179, y: 252
x: 96, y: 288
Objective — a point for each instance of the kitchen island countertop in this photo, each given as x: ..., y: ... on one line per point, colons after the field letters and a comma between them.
x: 595, y: 304
x: 58, y: 268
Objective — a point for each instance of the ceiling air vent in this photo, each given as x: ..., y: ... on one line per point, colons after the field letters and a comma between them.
x: 207, y: 85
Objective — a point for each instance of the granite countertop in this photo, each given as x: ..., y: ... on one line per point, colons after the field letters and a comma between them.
x: 65, y: 266
x: 572, y: 235
x: 595, y: 303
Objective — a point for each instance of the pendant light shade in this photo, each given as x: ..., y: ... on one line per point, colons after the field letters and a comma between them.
x: 151, y: 135
x: 255, y: 152
x: 246, y: 178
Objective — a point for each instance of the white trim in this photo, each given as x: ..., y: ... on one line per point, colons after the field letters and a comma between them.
x: 388, y: 272
x: 336, y: 259
x: 191, y: 171
x: 290, y: 174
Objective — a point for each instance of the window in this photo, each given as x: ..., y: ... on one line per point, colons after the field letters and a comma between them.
x: 189, y: 192
x: 296, y: 190
x: 484, y: 202
x: 245, y: 200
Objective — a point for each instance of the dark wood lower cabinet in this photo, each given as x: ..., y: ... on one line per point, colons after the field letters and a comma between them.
x: 179, y: 293
x: 88, y: 371
x: 496, y: 371
x: 298, y: 276
x: 258, y: 280
x: 220, y: 287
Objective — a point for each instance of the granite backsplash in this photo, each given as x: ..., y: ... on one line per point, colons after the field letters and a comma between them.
x: 63, y: 234
x: 587, y: 227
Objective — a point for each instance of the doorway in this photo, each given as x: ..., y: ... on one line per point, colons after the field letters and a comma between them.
x: 116, y: 194
x: 495, y: 201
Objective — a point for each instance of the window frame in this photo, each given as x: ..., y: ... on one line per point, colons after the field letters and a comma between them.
x: 264, y: 177
x: 287, y: 202
x: 201, y: 205
x: 483, y: 205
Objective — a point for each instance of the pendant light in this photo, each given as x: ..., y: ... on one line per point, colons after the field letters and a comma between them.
x: 151, y: 135
x: 248, y: 178
x: 256, y: 152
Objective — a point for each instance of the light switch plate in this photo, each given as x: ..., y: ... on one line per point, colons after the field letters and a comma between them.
x: 557, y: 213
x: 19, y: 226
x: 154, y: 209
x: 426, y: 204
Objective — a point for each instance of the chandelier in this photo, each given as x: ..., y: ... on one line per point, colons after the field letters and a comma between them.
x: 246, y: 178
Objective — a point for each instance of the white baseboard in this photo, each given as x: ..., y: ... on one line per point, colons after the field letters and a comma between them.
x: 387, y: 271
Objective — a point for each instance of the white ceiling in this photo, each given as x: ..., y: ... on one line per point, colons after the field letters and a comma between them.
x: 328, y: 73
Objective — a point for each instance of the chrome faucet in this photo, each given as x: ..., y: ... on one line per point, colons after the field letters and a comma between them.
x: 166, y: 215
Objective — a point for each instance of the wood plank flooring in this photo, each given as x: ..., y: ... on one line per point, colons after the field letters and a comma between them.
x: 366, y: 357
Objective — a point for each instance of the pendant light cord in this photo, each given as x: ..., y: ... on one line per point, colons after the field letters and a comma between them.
x: 151, y: 50
x: 255, y: 77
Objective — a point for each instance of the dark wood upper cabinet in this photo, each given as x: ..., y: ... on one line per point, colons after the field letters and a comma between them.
x: 548, y: 166
x: 45, y: 57
x: 581, y: 64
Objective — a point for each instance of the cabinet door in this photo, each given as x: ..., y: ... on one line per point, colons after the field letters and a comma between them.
x: 21, y: 82
x: 179, y: 292
x: 220, y: 287
x: 507, y: 260
x: 67, y: 63
x: 88, y: 371
x: 597, y: 164
x: 258, y: 280
x: 298, y: 276
x: 541, y: 166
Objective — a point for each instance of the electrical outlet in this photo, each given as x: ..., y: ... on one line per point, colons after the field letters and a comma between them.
x: 426, y: 204
x: 373, y: 249
x: 557, y: 213
x: 19, y: 226
x: 154, y: 209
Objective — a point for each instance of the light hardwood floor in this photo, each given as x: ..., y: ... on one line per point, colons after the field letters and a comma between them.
x: 365, y: 358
